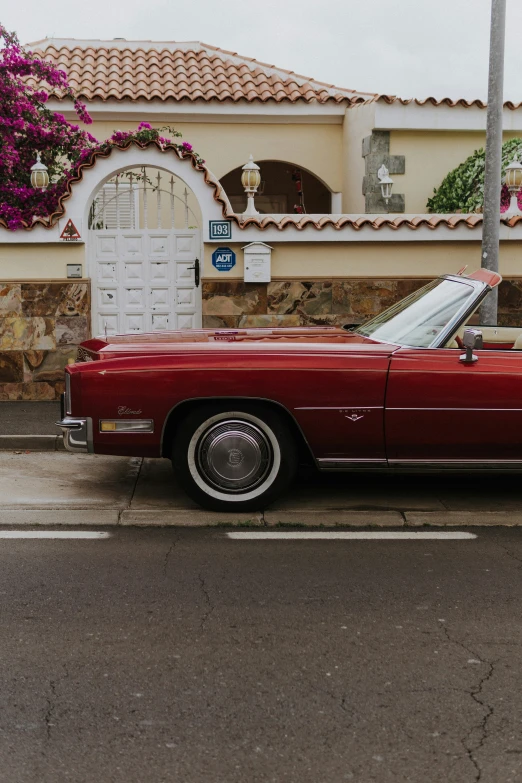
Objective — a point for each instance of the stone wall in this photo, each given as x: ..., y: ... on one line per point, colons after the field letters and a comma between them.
x: 234, y: 304
x: 510, y: 303
x: 299, y: 303
x: 376, y: 152
x: 41, y: 323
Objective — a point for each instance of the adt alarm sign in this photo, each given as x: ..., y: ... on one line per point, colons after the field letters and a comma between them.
x: 224, y: 259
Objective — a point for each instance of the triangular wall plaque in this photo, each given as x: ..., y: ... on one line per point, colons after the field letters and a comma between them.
x: 70, y: 232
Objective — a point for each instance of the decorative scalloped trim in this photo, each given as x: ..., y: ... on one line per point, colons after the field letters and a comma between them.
x: 356, y: 223
x: 50, y: 221
x: 360, y: 222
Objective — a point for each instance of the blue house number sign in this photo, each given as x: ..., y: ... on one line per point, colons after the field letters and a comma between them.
x: 223, y: 259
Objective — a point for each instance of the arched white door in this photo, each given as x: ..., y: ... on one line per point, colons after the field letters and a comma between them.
x: 144, y: 251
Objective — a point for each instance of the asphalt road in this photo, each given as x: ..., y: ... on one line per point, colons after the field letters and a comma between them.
x: 182, y: 655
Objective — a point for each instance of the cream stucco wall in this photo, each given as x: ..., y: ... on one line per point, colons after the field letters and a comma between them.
x: 430, y: 155
x: 39, y: 261
x: 291, y: 260
x: 364, y: 259
x: 225, y: 146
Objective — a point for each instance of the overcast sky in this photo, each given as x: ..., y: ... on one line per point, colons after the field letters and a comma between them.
x: 403, y: 47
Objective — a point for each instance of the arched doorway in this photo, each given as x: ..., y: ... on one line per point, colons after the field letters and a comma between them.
x: 143, y: 253
x: 285, y: 188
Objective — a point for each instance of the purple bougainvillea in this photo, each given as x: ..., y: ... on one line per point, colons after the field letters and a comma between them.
x: 505, y: 199
x: 27, y: 126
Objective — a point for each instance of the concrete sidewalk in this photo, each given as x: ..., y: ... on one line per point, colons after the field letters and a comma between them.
x: 62, y: 488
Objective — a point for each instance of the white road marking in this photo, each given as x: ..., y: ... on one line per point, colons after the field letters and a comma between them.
x: 53, y: 534
x: 352, y: 534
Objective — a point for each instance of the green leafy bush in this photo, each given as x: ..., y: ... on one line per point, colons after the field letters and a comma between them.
x: 463, y: 188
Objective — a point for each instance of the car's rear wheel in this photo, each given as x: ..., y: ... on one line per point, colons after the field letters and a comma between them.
x: 238, y: 458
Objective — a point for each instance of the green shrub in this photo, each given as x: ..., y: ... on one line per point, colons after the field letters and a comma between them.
x: 463, y: 188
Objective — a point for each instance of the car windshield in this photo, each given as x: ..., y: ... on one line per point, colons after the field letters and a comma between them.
x: 417, y: 320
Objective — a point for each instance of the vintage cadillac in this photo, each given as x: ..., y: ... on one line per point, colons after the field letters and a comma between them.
x: 237, y: 410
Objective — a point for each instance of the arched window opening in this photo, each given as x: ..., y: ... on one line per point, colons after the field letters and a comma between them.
x: 284, y: 188
x: 143, y: 198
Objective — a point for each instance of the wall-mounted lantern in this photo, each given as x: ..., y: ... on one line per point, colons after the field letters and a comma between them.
x: 385, y: 182
x: 514, y: 183
x: 39, y: 174
x: 250, y: 179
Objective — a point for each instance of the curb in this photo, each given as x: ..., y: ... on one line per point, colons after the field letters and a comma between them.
x: 463, y: 518
x: 196, y: 517
x: 59, y: 517
x: 31, y: 443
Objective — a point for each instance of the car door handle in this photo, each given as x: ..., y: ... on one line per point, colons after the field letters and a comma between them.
x: 196, y: 271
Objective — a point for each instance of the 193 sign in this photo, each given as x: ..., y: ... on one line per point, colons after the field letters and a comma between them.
x: 220, y: 229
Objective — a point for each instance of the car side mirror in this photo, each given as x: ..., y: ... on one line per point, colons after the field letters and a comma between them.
x: 471, y: 340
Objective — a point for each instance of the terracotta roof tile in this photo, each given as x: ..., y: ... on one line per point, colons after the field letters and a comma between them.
x: 359, y: 222
x: 115, y: 70
x: 450, y: 102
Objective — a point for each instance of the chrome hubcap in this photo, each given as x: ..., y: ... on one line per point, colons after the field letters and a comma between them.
x: 234, y: 455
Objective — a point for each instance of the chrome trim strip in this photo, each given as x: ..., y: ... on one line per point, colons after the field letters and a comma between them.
x: 461, y: 410
x: 77, y: 434
x: 350, y: 463
x: 420, y: 466
x: 67, y: 394
x: 69, y: 424
x: 454, y: 462
x: 351, y: 459
x: 340, y: 408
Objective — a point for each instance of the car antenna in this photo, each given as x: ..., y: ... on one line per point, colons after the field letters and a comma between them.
x: 462, y: 270
x: 105, y: 328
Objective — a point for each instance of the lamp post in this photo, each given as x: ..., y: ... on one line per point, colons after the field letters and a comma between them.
x: 39, y: 174
x: 514, y: 183
x: 385, y: 182
x: 492, y: 184
x: 250, y: 179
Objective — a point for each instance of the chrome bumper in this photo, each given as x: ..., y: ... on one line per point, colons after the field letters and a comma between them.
x: 77, y: 434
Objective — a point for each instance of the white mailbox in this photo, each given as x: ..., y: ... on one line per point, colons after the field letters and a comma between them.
x: 257, y: 262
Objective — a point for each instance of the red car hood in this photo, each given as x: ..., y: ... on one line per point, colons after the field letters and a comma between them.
x: 119, y: 346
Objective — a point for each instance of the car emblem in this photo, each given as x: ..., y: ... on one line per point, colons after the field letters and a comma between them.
x: 354, y: 417
x: 235, y: 457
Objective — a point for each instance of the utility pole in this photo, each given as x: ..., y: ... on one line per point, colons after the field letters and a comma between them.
x: 492, y: 184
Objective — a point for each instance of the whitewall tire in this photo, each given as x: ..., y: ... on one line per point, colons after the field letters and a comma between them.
x: 234, y: 456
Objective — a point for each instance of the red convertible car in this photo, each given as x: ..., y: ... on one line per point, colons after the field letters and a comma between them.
x: 236, y: 410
